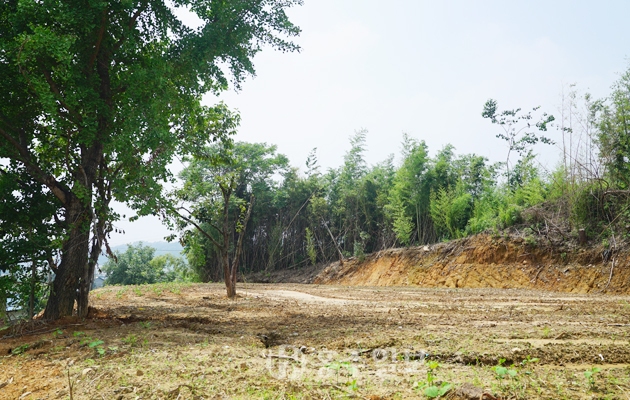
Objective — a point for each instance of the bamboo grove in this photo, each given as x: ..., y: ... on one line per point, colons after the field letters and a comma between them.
x: 300, y: 217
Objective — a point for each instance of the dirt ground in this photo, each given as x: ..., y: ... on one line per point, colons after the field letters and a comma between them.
x: 286, y: 341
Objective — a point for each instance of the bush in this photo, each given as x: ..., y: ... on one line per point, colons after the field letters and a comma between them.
x: 137, y: 266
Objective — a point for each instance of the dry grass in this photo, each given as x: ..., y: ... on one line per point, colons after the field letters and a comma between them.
x: 190, y: 342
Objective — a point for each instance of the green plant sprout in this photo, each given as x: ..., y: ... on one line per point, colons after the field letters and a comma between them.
x: 430, y: 388
x: 590, y: 376
x: 338, y: 365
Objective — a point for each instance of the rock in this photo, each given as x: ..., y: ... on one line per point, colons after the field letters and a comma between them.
x: 86, y: 371
x: 269, y: 339
x: 468, y: 391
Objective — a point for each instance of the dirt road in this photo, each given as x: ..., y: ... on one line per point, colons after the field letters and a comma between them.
x: 190, y: 342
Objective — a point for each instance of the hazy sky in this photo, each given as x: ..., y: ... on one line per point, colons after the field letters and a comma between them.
x: 421, y: 67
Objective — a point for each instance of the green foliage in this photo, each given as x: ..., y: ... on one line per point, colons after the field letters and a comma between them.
x: 613, y: 132
x: 409, y: 196
x: 20, y: 349
x: 485, y: 213
x: 350, y: 370
x: 429, y: 388
x: 434, y: 392
x: 590, y: 376
x: 519, y: 134
x: 94, y: 109
x: 217, y: 199
x: 310, y: 247
x: 450, y: 210
x: 503, y: 372
x: 173, y: 269
x: 137, y: 266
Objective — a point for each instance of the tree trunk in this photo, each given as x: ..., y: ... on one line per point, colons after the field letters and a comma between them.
x: 31, y: 296
x: 74, y: 260
x: 3, y: 310
x: 230, y: 286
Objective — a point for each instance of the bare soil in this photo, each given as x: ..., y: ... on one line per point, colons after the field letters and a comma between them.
x: 190, y: 342
x: 480, y: 261
x: 486, y: 317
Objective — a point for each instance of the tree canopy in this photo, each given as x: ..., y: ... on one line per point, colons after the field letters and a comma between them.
x: 97, y: 97
x: 138, y: 265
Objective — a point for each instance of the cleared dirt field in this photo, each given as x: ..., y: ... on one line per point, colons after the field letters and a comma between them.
x: 286, y: 341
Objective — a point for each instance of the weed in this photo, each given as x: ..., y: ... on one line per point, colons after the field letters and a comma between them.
x: 174, y: 288
x: 120, y: 293
x: 145, y: 324
x: 138, y: 291
x: 502, y: 372
x: 546, y: 331
x: 531, y: 241
x: 130, y: 339
x: 338, y: 365
x: 434, y: 392
x: 97, y: 345
x: 590, y: 376
x: 20, y: 349
x: 529, y: 360
x: 429, y: 387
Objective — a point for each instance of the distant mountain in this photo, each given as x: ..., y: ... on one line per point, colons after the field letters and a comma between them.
x: 173, y: 248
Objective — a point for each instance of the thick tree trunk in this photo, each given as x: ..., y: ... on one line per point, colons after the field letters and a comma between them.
x: 31, y: 296
x: 74, y: 260
x: 230, y: 285
x: 3, y: 310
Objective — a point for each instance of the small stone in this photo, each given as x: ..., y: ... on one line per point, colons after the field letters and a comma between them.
x: 516, y: 350
x: 86, y: 371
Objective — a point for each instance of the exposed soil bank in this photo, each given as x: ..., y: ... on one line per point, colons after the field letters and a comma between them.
x: 481, y: 261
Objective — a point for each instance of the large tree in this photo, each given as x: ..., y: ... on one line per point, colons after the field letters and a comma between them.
x: 96, y: 97
x: 216, y: 201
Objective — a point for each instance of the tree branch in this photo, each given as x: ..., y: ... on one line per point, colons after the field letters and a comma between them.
x: 199, y: 228
x: 131, y: 24
x: 55, y: 89
x: 36, y: 172
x: 99, y: 40
x: 239, y: 244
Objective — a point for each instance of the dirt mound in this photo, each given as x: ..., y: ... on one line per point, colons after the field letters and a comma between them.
x: 488, y: 261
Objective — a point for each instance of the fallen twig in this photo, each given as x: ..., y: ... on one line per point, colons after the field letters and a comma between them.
x: 282, y: 357
x: 70, y: 385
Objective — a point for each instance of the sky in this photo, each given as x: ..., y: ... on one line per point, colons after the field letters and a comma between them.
x: 424, y: 68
